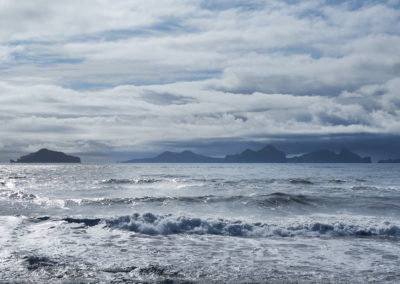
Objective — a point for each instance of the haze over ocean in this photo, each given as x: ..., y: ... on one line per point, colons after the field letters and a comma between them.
x: 104, y: 81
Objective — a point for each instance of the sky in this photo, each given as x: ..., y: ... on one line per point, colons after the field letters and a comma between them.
x: 115, y: 79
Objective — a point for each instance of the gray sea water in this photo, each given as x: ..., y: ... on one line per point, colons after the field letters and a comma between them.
x: 201, y: 223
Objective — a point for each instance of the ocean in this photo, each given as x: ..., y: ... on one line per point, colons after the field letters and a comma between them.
x: 200, y: 223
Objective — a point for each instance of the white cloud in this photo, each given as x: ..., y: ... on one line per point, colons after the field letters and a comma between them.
x: 123, y: 116
x: 130, y: 73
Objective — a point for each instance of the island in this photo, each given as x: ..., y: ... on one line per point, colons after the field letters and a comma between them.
x: 268, y: 154
x: 173, y: 157
x: 389, y: 161
x: 47, y: 156
x: 326, y: 156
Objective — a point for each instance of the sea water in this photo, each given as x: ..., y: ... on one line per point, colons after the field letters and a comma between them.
x: 201, y: 223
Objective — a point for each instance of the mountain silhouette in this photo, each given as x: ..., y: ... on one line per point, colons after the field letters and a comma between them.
x: 47, y: 156
x: 326, y: 156
x: 173, y: 157
x: 389, y: 161
x: 268, y: 154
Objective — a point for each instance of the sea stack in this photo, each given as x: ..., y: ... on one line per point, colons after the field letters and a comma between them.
x: 47, y: 156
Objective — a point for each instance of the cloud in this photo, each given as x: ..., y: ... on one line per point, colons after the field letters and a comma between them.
x: 131, y: 115
x: 134, y: 74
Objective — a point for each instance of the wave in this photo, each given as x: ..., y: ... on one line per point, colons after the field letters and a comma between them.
x: 175, y: 178
x: 130, y: 181
x: 17, y: 177
x: 336, y: 180
x: 364, y: 188
x: 279, y: 198
x: 108, y: 201
x: 151, y: 224
x: 235, y: 182
x: 273, y: 199
x: 300, y: 181
x: 221, y: 181
x: 131, y: 200
x: 17, y: 195
x: 86, y: 221
x: 276, y: 199
x: 22, y: 195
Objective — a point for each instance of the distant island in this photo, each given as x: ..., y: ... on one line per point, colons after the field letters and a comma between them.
x: 389, y: 161
x: 268, y: 154
x: 47, y: 156
x: 172, y: 157
x: 326, y: 156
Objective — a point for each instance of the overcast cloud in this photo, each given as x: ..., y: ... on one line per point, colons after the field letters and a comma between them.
x: 125, y: 76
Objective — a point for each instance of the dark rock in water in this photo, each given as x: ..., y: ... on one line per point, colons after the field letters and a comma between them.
x: 268, y: 154
x: 173, y: 157
x: 35, y: 262
x: 326, y: 156
x: 389, y: 161
x: 47, y: 156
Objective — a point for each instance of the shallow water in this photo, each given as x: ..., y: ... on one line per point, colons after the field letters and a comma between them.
x: 202, y: 223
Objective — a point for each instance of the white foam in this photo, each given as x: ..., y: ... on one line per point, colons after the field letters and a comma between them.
x: 151, y: 224
x: 7, y: 227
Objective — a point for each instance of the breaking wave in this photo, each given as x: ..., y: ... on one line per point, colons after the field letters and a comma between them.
x: 151, y: 224
x: 17, y: 195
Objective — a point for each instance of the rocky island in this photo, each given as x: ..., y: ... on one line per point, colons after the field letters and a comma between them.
x: 47, y: 156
